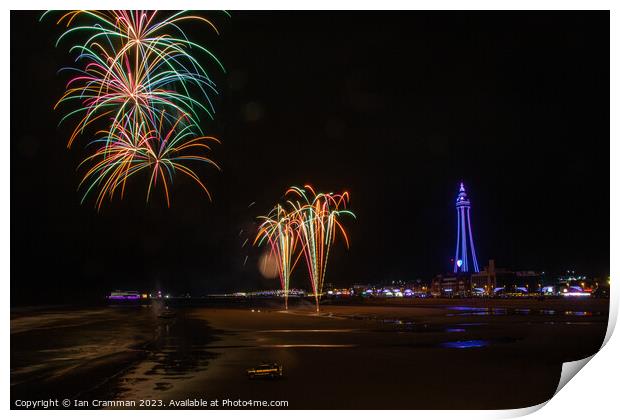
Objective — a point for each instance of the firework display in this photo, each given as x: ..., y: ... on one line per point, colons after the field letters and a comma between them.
x: 139, y: 75
x: 308, y: 224
x: 279, y: 229
x: 128, y: 148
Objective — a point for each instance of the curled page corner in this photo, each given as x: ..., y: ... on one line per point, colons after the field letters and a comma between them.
x: 520, y: 412
x: 614, y: 301
x: 569, y: 370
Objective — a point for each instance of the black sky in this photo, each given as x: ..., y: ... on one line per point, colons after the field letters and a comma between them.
x: 395, y: 107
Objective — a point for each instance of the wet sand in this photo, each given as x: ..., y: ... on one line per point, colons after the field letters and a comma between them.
x: 457, y: 354
x: 82, y: 352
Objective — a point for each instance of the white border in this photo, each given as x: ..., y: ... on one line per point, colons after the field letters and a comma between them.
x: 592, y: 394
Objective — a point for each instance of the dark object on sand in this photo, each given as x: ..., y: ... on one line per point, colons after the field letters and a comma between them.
x: 265, y: 370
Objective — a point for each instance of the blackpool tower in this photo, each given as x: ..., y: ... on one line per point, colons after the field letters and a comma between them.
x: 465, y: 251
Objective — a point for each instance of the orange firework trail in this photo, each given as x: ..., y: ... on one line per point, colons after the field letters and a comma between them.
x: 312, y: 223
x: 127, y: 149
x: 279, y: 229
x: 317, y: 216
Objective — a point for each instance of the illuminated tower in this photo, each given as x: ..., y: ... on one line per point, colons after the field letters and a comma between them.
x: 464, y: 239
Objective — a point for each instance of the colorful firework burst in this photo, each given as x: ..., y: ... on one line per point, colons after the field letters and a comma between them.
x: 317, y: 216
x: 279, y: 229
x: 137, y: 74
x: 308, y: 221
x: 132, y: 146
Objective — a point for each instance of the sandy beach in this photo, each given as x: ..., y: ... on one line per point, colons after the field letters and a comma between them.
x: 457, y: 354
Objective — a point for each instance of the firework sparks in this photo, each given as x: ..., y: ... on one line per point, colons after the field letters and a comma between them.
x: 279, y: 229
x: 136, y: 73
x: 130, y: 147
x: 317, y: 216
x: 311, y: 225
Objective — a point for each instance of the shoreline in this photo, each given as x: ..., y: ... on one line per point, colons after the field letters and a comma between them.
x: 203, y: 352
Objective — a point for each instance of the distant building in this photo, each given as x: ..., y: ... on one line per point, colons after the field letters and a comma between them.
x: 125, y: 295
x: 418, y: 287
x: 572, y: 279
x: 576, y: 284
x: 360, y: 289
x: 490, y: 281
x: 531, y: 281
x: 486, y: 280
x: 493, y: 280
x: 451, y: 285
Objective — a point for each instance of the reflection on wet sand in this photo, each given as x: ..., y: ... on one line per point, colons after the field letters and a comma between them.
x: 202, y: 352
x: 467, y: 344
x: 291, y: 346
x: 345, y: 330
x: 179, y: 352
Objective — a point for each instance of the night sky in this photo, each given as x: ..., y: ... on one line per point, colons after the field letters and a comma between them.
x: 395, y: 107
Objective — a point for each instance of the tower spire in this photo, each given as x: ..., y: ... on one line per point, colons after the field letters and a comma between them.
x: 464, y: 238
